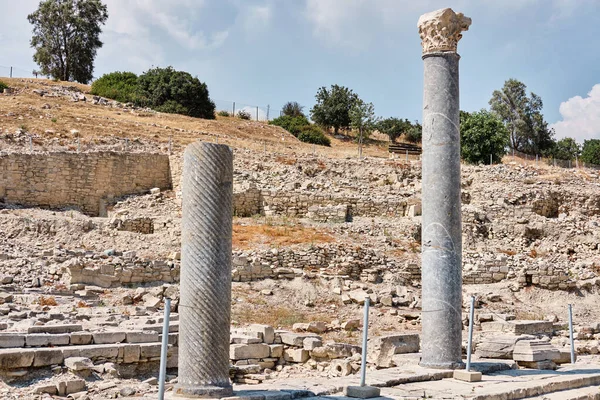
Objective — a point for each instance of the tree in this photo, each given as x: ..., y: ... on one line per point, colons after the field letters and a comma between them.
x: 294, y: 125
x: 171, y: 91
x: 415, y: 133
x: 483, y: 137
x: 292, y: 109
x: 66, y: 37
x: 522, y: 116
x: 333, y: 107
x: 363, y: 119
x: 590, y: 153
x: 394, y: 127
x: 120, y: 86
x: 566, y: 149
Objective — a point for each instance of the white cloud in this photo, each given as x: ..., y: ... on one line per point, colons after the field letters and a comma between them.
x: 353, y: 23
x: 256, y: 19
x: 580, y: 117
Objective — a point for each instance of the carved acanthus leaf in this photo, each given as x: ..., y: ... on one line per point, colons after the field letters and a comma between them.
x: 441, y: 30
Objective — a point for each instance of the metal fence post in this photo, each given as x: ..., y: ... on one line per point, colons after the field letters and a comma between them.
x: 257, y: 113
x: 163, y: 351
x: 470, y: 342
x: 363, y: 361
x: 233, y: 112
x: 571, y: 334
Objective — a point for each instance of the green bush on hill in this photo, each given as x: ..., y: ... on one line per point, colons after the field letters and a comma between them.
x: 293, y: 125
x: 119, y: 86
x: 3, y: 86
x: 171, y: 91
x: 314, y: 134
x: 223, y: 113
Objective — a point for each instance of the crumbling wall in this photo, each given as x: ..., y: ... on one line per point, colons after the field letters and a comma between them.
x: 81, y: 180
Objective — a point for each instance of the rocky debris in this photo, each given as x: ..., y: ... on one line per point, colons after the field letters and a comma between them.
x: 537, y: 354
x: 380, y: 350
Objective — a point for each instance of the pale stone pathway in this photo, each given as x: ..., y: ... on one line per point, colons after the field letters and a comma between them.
x: 418, y: 383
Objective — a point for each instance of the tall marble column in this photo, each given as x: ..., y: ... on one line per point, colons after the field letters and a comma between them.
x: 205, y: 306
x: 441, y: 244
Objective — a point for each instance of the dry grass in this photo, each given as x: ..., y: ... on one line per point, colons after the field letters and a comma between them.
x: 47, y: 301
x: 24, y: 110
x: 249, y: 236
x: 278, y: 316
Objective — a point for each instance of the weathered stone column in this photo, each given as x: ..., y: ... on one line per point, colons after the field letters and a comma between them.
x: 205, y: 308
x: 441, y: 244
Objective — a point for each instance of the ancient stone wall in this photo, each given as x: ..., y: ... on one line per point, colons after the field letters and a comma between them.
x: 81, y: 180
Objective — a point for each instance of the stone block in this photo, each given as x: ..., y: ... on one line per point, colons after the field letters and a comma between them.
x: 498, y: 346
x: 16, y: 358
x: 47, y: 357
x: 295, y: 339
x: 78, y: 363
x: 276, y: 350
x: 519, y: 327
x: 380, y: 350
x: 296, y: 355
x: 75, y: 386
x: 311, y: 343
x: 131, y: 354
x: 246, y: 351
x: 362, y: 392
x: 108, y: 337
x: 534, y: 350
x: 268, y: 333
x: 8, y: 340
x: 467, y: 376
x: 141, y: 337
x: 245, y: 340
x: 46, y: 388
x: 81, y: 338
x: 94, y: 351
x: 55, y: 328
x: 149, y: 350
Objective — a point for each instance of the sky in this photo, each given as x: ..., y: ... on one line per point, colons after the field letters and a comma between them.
x: 268, y: 52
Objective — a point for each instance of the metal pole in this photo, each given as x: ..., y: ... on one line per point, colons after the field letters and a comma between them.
x: 470, y: 342
x: 233, y: 113
x: 11, y: 72
x: 363, y: 361
x: 268, y: 107
x: 491, y: 160
x: 163, y: 351
x: 571, y: 334
x: 257, y: 113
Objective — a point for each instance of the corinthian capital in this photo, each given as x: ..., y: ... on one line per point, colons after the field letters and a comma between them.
x: 441, y: 30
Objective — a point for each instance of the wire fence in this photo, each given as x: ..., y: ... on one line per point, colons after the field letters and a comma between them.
x: 556, y: 162
x: 17, y: 72
x: 255, y: 112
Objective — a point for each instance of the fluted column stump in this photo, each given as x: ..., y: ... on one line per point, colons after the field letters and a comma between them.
x: 441, y: 244
x: 205, y: 283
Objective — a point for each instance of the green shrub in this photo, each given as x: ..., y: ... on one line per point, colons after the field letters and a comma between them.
x: 3, y: 86
x: 223, y: 113
x: 119, y: 86
x: 293, y: 125
x: 171, y: 91
x: 314, y: 134
x: 414, y: 134
x: 243, y: 114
